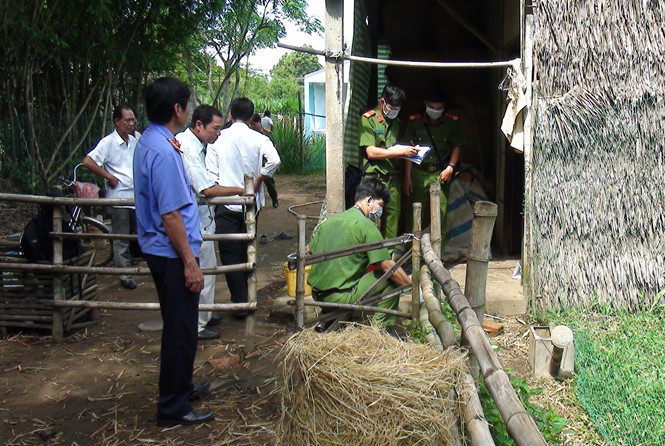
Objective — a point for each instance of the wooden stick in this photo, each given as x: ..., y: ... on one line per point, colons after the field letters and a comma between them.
x: 415, y: 261
x: 474, y: 417
x: 229, y: 307
x: 519, y: 424
x: 110, y: 236
x: 430, y: 333
x: 57, y: 327
x: 250, y: 223
x: 357, y: 307
x: 336, y: 253
x: 101, y: 202
x: 484, y: 215
x: 385, y: 276
x: 443, y: 328
x: 435, y: 217
x: 59, y: 268
x: 300, y: 272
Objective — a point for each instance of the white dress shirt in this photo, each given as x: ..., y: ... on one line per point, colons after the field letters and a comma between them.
x: 239, y: 150
x: 193, y: 159
x: 116, y: 156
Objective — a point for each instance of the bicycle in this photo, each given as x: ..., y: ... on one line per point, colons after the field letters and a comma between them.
x: 79, y: 222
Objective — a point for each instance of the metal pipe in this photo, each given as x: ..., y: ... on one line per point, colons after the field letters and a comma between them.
x: 323, y: 256
x: 59, y: 268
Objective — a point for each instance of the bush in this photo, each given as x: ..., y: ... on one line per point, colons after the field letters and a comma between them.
x: 306, y: 156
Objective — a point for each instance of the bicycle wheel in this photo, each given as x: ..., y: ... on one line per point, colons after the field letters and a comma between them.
x: 102, y: 247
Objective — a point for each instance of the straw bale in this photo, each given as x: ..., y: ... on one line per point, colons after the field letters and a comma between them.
x: 361, y: 386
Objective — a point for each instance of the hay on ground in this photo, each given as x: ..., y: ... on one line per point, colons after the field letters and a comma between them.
x: 361, y: 386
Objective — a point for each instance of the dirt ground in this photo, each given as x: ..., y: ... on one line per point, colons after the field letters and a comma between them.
x: 99, y: 386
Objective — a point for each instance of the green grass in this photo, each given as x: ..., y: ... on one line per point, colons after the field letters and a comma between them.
x: 620, y: 363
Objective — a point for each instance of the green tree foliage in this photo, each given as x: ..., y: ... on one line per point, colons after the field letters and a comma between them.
x: 66, y: 63
x: 243, y: 27
x: 287, y: 75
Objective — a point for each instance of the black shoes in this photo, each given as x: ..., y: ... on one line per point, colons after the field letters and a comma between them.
x: 128, y: 283
x: 216, y: 319
x: 200, y: 390
x: 194, y: 417
x: 207, y: 335
x: 275, y: 203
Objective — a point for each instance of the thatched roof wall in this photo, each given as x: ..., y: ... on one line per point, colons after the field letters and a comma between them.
x: 597, y: 202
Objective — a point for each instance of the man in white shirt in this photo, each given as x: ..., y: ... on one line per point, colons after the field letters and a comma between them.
x: 204, y: 129
x: 112, y: 159
x: 239, y: 150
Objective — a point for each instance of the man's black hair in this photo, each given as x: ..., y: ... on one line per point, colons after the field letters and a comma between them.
x: 371, y: 187
x: 162, y: 95
x: 266, y: 113
x: 435, y: 94
x: 117, y: 111
x: 393, y: 95
x: 256, y: 117
x: 205, y: 114
x: 242, y: 109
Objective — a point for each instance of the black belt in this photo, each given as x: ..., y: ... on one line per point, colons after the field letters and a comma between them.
x: 430, y: 167
x: 381, y: 176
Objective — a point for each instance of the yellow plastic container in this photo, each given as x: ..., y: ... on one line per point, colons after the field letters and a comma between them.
x: 291, y: 280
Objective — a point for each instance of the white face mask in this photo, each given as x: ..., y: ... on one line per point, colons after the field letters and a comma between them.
x: 390, y: 113
x: 432, y: 113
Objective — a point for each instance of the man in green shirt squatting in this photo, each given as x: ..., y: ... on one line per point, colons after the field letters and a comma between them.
x: 444, y: 135
x: 379, y: 130
x: 345, y: 279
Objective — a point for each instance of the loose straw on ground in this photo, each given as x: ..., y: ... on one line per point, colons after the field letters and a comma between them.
x: 361, y: 386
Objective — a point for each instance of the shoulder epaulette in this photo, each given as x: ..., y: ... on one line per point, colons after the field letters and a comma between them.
x: 416, y: 116
x: 453, y: 117
x: 369, y: 114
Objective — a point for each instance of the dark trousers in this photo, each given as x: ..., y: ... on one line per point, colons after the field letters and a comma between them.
x: 270, y: 186
x: 232, y: 252
x: 179, y: 308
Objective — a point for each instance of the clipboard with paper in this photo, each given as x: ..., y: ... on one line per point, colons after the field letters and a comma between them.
x: 418, y: 157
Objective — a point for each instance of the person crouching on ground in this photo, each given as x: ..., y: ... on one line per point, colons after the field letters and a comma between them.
x: 345, y: 279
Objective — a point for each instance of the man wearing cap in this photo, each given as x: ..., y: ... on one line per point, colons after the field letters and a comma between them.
x: 443, y: 133
x: 379, y: 130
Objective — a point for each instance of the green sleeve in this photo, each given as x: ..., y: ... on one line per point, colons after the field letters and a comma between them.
x: 372, y: 234
x: 457, y: 136
x: 366, y: 133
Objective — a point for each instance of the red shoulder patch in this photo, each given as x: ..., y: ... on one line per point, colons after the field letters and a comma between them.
x: 369, y: 114
x: 416, y: 116
x: 453, y: 117
x: 379, y: 118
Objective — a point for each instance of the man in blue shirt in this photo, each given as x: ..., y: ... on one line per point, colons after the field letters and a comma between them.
x: 170, y: 237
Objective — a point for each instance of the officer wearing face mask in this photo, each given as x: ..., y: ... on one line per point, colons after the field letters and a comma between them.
x: 345, y: 280
x: 379, y: 130
x: 441, y: 132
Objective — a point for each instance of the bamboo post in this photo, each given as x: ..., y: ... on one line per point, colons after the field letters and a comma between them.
x: 519, y: 424
x: 435, y: 217
x: 334, y: 25
x: 250, y: 223
x: 528, y: 278
x: 415, y: 261
x: 484, y: 215
x: 300, y: 273
x: 443, y: 328
x: 474, y: 417
x: 57, y: 330
x: 430, y: 333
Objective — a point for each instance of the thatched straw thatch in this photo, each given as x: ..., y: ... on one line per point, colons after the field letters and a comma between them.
x: 597, y: 201
x: 361, y: 386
